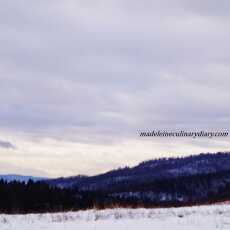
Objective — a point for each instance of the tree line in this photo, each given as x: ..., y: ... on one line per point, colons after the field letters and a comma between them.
x: 37, y: 197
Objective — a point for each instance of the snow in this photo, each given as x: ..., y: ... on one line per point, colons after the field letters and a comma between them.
x: 188, y: 218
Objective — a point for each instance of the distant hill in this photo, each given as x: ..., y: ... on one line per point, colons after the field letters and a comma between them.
x: 20, y: 178
x: 150, y: 171
x: 66, y: 182
x: 167, y: 181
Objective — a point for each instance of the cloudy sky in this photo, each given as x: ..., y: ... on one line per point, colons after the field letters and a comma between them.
x: 80, y: 78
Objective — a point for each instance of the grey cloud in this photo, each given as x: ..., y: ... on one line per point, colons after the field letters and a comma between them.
x: 209, y: 7
x: 6, y: 145
x: 109, y: 68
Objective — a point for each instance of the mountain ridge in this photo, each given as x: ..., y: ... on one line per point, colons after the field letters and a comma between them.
x: 161, y: 168
x: 20, y: 178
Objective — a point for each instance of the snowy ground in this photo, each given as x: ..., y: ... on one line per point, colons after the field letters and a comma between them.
x: 189, y: 218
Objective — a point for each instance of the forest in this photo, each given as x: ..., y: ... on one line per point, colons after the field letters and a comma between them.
x: 171, y: 182
x: 38, y: 197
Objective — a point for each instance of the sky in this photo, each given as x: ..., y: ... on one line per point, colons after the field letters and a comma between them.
x: 80, y: 78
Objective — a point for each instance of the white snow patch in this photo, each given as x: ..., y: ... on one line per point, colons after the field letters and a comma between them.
x: 188, y: 218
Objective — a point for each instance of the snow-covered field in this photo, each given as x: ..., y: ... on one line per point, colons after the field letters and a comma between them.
x: 189, y: 218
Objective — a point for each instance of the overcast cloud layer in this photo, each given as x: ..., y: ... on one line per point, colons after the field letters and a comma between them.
x: 82, y: 77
